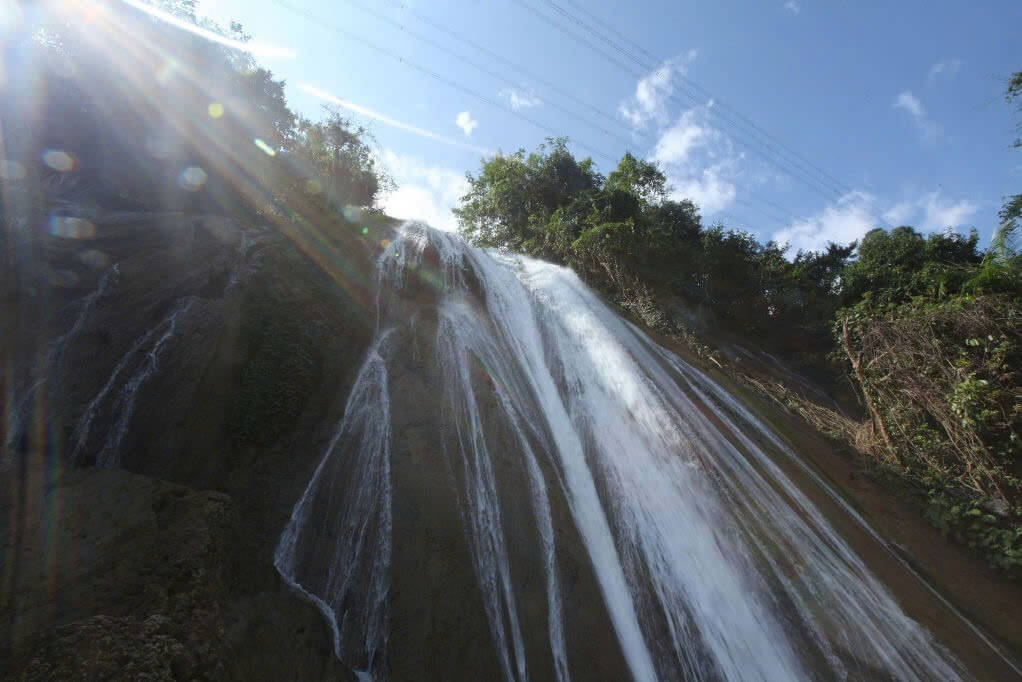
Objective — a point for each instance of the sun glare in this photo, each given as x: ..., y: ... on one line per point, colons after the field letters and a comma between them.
x: 256, y: 48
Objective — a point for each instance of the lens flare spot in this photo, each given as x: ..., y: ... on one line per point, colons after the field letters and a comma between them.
x: 215, y: 110
x: 69, y: 227
x: 352, y: 214
x: 313, y: 186
x: 267, y: 149
x: 384, y: 243
x: 365, y: 230
x: 11, y: 170
x: 192, y: 179
x: 58, y: 160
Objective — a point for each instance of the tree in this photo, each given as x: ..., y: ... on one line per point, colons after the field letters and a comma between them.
x: 136, y: 103
x: 1011, y: 212
x: 333, y: 160
x: 513, y: 199
x: 893, y: 266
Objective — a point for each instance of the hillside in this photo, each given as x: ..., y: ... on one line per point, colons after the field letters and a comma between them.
x: 256, y: 429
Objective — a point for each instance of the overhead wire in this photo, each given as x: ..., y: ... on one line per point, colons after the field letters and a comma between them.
x: 770, y: 142
x: 811, y: 182
x: 503, y: 60
x: 330, y: 26
x: 694, y: 85
x: 465, y: 60
x: 797, y: 170
x: 494, y: 55
x: 649, y: 67
x: 432, y: 74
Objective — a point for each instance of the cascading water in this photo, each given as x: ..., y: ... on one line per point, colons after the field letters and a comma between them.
x: 710, y: 561
x: 352, y: 501
x: 142, y: 361
x: 22, y: 400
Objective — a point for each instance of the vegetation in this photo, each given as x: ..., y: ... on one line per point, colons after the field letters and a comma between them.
x: 183, y: 123
x: 626, y: 238
x: 927, y: 327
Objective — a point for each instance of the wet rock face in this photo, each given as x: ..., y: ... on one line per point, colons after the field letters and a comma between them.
x: 114, y: 572
x: 112, y: 575
x: 202, y: 355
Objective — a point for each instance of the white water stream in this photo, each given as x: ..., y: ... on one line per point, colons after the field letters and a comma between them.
x: 17, y: 418
x: 712, y: 564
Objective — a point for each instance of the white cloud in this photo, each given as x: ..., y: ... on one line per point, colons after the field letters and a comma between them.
x: 793, y: 6
x: 853, y: 215
x: 648, y: 104
x: 932, y: 212
x: 900, y: 213
x: 677, y: 142
x: 426, y: 193
x: 929, y: 129
x: 466, y: 123
x: 843, y: 222
x: 387, y: 120
x: 709, y: 189
x: 520, y: 99
x: 699, y: 161
x: 948, y: 67
x: 910, y: 103
x: 940, y: 213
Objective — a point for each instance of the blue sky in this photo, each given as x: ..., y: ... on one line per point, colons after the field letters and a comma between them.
x: 898, y: 107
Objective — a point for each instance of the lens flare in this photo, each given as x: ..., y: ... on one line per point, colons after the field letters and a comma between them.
x: 69, y: 227
x: 352, y: 214
x: 192, y: 179
x: 256, y: 48
x: 215, y: 110
x: 265, y: 148
x: 58, y: 160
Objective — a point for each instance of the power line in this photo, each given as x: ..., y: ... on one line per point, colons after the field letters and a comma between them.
x: 500, y: 77
x: 809, y: 181
x: 441, y: 27
x: 709, y: 94
x: 462, y: 58
x: 796, y: 170
x: 794, y: 158
x: 493, y: 55
x: 467, y: 90
x: 351, y: 35
x: 647, y: 66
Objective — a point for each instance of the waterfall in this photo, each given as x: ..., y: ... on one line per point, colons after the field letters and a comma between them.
x: 346, y: 572
x: 710, y: 561
x: 81, y: 308
x: 142, y: 360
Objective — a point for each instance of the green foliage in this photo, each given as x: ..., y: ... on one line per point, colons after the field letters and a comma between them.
x: 135, y: 102
x: 971, y: 523
x: 894, y: 266
x: 942, y: 374
x: 1013, y: 92
x: 627, y: 238
x: 332, y: 161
